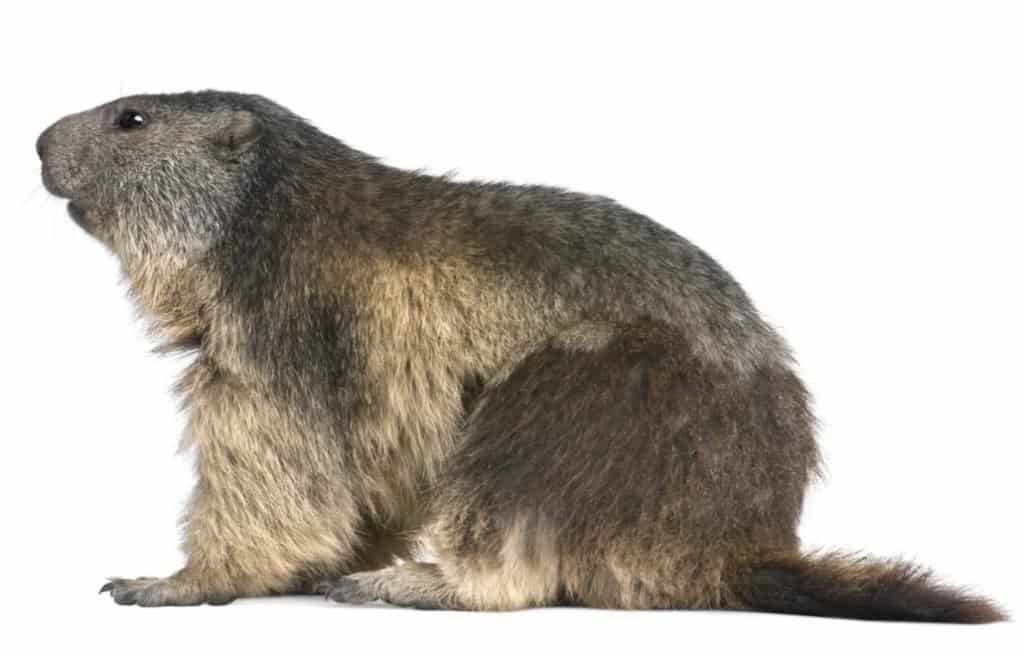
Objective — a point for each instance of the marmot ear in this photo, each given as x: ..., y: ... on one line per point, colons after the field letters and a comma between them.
x: 240, y: 129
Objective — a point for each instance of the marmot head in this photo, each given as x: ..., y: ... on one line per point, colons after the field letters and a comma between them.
x: 158, y: 174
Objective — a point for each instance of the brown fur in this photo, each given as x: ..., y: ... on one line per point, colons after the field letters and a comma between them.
x: 571, y: 403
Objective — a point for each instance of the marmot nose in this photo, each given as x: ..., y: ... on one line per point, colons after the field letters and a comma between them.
x: 41, y: 142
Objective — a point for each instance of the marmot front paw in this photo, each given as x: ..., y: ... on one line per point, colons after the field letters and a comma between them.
x: 170, y: 591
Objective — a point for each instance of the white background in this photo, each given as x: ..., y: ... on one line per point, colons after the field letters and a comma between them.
x: 857, y: 166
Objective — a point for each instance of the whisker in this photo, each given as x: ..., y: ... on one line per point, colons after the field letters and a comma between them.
x: 33, y: 194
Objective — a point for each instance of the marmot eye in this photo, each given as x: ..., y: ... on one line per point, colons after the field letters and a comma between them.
x: 130, y: 119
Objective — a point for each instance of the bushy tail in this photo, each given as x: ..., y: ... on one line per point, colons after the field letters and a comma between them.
x: 856, y: 587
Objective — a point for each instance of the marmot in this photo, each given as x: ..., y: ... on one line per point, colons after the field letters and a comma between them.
x: 572, y: 404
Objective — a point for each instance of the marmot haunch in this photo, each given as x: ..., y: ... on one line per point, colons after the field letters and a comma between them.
x: 572, y: 404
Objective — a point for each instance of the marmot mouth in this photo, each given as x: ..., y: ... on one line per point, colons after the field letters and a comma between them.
x: 78, y: 215
x: 76, y: 211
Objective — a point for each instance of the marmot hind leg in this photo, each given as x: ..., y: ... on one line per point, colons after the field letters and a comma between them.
x: 611, y: 467
x: 413, y: 585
